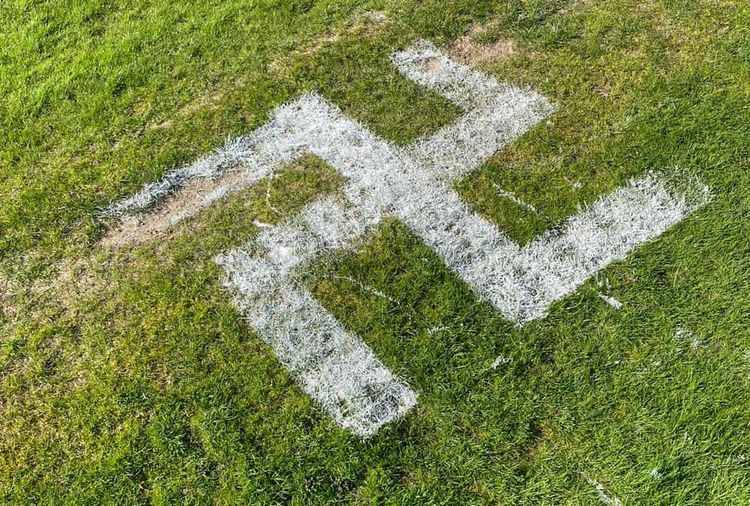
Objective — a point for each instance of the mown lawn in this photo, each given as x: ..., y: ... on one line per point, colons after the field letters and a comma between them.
x: 126, y: 375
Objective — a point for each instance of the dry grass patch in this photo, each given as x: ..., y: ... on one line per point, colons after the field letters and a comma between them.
x: 470, y: 51
x: 143, y: 227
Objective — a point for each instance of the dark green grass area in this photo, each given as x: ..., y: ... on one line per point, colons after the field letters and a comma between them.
x: 127, y: 377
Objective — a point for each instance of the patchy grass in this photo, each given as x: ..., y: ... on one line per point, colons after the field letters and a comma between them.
x: 126, y: 376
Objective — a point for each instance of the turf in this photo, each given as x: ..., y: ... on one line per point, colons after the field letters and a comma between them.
x: 126, y: 376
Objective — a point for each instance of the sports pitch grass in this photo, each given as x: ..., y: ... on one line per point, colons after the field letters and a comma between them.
x: 127, y: 376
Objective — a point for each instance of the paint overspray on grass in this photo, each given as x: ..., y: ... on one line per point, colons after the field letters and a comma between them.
x: 616, y: 304
x: 500, y: 361
x: 604, y: 497
x: 684, y: 335
x: 515, y: 199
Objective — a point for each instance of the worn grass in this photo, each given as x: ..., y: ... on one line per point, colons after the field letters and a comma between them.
x: 127, y: 377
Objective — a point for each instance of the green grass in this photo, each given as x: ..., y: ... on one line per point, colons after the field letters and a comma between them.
x: 127, y: 376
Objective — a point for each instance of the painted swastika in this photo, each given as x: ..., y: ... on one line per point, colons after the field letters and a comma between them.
x: 413, y: 184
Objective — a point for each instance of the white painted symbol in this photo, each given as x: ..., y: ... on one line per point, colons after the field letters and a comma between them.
x: 413, y: 184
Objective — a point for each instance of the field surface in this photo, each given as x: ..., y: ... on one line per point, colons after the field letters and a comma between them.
x: 127, y: 376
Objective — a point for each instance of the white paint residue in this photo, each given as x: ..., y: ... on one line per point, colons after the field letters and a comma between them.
x: 603, y: 496
x: 260, y: 224
x: 231, y: 157
x: 685, y: 335
x: 366, y: 288
x: 496, y: 113
x: 575, y: 184
x: 501, y: 361
x: 611, y: 301
x: 434, y: 330
x: 514, y: 198
x: 413, y: 184
x: 268, y: 197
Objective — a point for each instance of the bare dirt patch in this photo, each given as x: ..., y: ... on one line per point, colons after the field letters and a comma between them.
x: 194, y: 196
x: 469, y: 51
x: 432, y: 65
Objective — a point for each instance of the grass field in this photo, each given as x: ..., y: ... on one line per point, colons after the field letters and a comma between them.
x: 127, y: 377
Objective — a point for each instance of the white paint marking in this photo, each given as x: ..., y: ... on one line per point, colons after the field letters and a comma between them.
x: 434, y: 330
x: 333, y: 366
x: 268, y: 197
x: 611, y: 301
x: 496, y: 113
x: 682, y: 335
x: 366, y: 288
x: 603, y: 496
x: 260, y: 224
x: 414, y: 185
x: 501, y: 361
x: 514, y: 198
x: 227, y: 159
